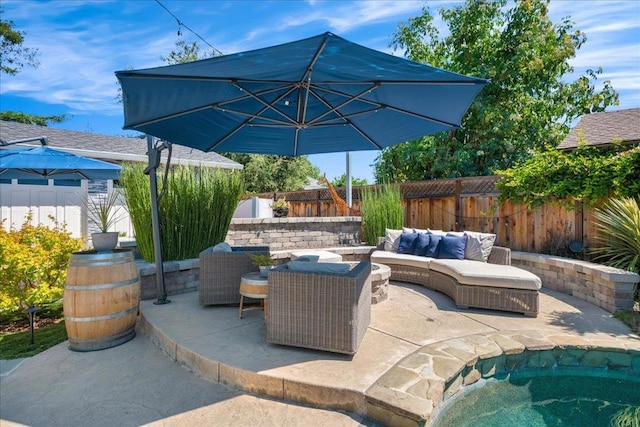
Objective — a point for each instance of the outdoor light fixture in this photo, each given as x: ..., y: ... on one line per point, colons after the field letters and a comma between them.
x: 31, y: 311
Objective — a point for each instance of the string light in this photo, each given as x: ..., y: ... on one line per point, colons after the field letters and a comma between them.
x: 182, y: 24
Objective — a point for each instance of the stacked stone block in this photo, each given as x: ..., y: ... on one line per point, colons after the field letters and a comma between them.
x: 606, y: 287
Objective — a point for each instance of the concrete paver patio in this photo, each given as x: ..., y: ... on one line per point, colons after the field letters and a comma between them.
x: 218, y: 346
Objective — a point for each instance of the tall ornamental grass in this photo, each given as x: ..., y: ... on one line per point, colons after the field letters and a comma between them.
x: 619, y: 224
x: 195, y: 210
x: 381, y: 208
x: 138, y: 201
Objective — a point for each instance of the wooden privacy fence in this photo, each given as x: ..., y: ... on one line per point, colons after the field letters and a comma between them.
x: 468, y: 204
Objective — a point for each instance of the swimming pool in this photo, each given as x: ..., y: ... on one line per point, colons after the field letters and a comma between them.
x: 555, y: 395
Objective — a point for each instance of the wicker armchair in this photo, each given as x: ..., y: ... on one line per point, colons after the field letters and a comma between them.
x: 220, y: 273
x: 322, y: 311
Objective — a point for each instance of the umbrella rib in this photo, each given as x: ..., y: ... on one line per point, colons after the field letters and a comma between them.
x: 348, y: 100
x: 421, y: 116
x: 252, y: 116
x: 246, y: 95
x: 266, y: 104
x: 365, y: 136
x: 396, y: 109
x: 305, y: 83
x: 249, y: 120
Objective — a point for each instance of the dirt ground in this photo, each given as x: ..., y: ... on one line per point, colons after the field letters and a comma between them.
x: 23, y: 324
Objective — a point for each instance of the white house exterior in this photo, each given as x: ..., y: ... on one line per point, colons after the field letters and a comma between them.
x: 63, y: 202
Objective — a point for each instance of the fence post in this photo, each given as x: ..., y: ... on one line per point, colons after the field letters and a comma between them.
x: 579, y: 228
x: 458, y: 189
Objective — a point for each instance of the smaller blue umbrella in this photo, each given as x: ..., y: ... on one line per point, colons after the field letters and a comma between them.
x: 45, y: 162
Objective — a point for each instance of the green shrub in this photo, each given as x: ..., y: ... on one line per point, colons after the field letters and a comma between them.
x: 587, y: 174
x: 195, y: 210
x: 381, y: 208
x: 33, y: 266
x: 618, y: 222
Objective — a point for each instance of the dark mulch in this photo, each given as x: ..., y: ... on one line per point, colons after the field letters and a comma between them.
x: 23, y: 324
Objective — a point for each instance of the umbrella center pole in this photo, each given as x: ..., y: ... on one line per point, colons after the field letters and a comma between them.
x: 154, y: 154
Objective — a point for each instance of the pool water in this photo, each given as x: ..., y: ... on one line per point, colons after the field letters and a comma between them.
x: 552, y: 399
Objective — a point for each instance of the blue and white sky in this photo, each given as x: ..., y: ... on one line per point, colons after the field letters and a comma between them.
x: 82, y: 43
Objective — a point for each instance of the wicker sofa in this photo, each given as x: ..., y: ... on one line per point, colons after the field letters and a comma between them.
x: 322, y: 311
x: 220, y: 273
x: 494, y: 284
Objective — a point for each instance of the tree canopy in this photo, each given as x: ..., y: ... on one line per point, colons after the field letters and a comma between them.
x: 528, y: 104
x: 15, y: 116
x: 267, y: 173
x: 13, y: 55
x: 341, y: 181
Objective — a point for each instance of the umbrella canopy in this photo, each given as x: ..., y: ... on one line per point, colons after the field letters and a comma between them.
x: 45, y: 162
x: 318, y: 95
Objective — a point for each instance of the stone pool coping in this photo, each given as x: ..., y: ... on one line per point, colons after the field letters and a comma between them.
x: 413, y: 390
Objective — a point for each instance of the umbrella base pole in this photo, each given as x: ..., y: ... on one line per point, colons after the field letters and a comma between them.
x: 162, y: 300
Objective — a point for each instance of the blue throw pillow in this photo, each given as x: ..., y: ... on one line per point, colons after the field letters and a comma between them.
x: 432, y: 248
x: 452, y: 247
x: 421, y: 244
x: 407, y: 243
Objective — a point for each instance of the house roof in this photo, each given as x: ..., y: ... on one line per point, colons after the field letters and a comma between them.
x: 599, y: 129
x: 106, y: 147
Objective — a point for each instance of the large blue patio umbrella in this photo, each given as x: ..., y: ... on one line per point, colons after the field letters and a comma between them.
x: 317, y: 95
x: 48, y: 163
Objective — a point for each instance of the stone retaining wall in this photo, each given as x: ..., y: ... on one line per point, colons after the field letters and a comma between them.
x: 297, y: 232
x: 179, y: 276
x: 607, y: 287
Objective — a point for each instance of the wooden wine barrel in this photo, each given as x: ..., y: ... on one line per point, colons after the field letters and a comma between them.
x: 101, y: 298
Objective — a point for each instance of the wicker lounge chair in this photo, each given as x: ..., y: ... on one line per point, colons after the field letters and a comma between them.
x: 220, y: 273
x: 322, y: 311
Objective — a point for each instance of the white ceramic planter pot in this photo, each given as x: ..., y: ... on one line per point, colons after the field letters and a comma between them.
x: 103, y: 242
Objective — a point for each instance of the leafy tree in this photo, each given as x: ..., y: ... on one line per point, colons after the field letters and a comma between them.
x: 268, y: 173
x: 341, y: 181
x: 186, y: 52
x: 14, y: 116
x: 526, y: 105
x: 13, y: 55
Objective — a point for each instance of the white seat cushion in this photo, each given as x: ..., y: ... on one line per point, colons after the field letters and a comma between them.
x: 479, y: 273
x: 322, y: 256
x: 386, y: 257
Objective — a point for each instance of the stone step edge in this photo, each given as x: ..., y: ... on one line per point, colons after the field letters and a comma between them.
x: 412, y: 391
